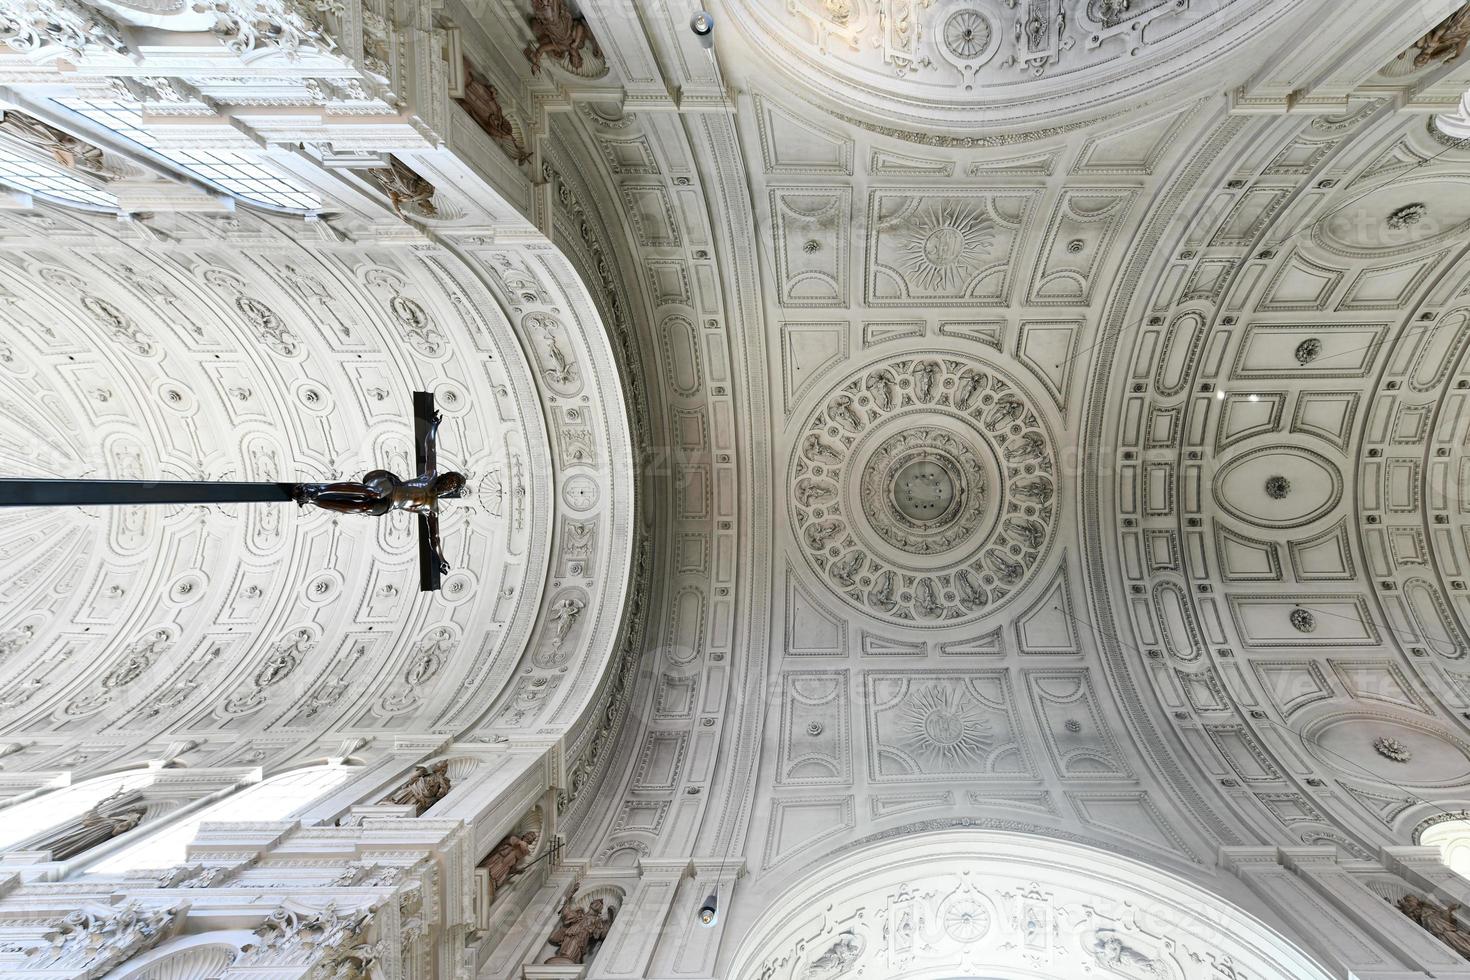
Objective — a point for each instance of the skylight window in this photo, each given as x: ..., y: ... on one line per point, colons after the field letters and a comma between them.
x: 237, y: 173
x: 23, y: 173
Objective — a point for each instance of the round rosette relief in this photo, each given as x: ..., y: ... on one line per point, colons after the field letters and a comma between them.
x: 924, y: 490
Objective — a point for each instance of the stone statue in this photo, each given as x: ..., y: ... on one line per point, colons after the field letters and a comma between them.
x: 67, y: 150
x: 579, y: 930
x: 1438, y: 922
x: 406, y: 190
x: 482, y: 102
x: 1447, y: 41
x: 108, y: 818
x: 427, y: 786
x: 503, y: 862
x: 380, y: 492
x: 559, y: 33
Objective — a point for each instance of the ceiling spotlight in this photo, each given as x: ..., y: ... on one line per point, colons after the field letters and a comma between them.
x: 709, y: 912
x: 703, y: 26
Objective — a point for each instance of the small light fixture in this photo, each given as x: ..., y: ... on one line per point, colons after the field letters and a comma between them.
x: 709, y: 911
x: 703, y: 26
x: 1220, y: 395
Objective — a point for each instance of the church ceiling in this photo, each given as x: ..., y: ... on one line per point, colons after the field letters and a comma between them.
x: 1112, y: 473
x: 255, y: 634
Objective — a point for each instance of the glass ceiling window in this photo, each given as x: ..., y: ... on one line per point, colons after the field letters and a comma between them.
x: 276, y: 798
x: 237, y: 173
x: 50, y: 181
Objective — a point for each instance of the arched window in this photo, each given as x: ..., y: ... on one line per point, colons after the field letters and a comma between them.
x: 239, y: 174
x: 22, y: 823
x: 1452, y: 837
x: 276, y: 798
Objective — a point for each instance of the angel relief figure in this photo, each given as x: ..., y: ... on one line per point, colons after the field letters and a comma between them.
x: 1441, y: 923
x: 482, y: 102
x: 1446, y: 41
x: 559, y: 33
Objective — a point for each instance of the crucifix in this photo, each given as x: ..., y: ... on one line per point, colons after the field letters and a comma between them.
x: 376, y: 494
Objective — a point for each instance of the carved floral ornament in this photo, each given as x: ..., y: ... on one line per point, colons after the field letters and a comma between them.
x: 81, y: 29
x: 980, y: 903
x: 924, y: 490
x: 92, y: 940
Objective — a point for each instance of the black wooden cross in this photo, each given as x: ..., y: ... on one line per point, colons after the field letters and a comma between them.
x: 379, y: 492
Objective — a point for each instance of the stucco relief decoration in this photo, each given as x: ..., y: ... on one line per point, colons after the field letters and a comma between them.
x: 924, y: 490
x: 426, y: 786
x: 1392, y: 749
x: 1308, y: 351
x: 566, y: 38
x: 1407, y: 216
x: 288, y: 26
x: 91, y: 941
x: 298, y: 937
x: 70, y: 151
x: 945, y: 726
x: 407, y: 192
x: 1439, y: 922
x: 32, y: 25
x: 482, y: 101
x: 1447, y: 41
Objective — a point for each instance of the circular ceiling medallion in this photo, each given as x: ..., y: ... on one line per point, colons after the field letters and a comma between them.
x: 924, y: 489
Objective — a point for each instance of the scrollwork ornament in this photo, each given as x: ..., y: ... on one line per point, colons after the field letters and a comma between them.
x: 31, y: 25
x: 289, y: 26
x: 924, y: 491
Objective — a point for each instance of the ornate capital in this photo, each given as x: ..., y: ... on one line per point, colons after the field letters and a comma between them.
x: 93, y: 940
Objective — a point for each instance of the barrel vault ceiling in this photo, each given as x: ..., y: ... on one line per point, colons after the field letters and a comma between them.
x: 1102, y: 480
x: 1058, y: 422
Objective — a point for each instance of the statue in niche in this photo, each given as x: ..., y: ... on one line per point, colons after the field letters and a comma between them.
x: 482, y: 102
x: 69, y: 151
x: 109, y: 818
x: 503, y: 863
x: 1438, y: 922
x: 559, y: 33
x: 406, y: 190
x: 579, y: 930
x: 1447, y: 41
x: 427, y: 786
x: 380, y: 492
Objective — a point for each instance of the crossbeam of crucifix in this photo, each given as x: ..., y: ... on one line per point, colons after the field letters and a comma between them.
x: 377, y: 494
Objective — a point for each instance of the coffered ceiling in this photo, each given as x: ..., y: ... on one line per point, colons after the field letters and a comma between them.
x: 1100, y: 482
